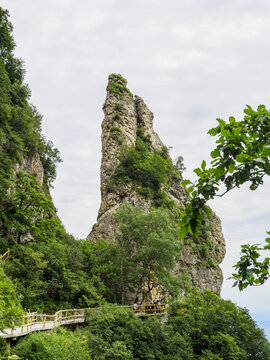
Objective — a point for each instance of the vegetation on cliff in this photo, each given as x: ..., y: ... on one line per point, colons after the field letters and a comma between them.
x: 20, y: 127
x: 20, y: 131
x: 118, y: 86
x: 150, y: 170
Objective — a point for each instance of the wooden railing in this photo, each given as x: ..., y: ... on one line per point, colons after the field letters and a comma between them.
x: 5, y: 256
x: 148, y: 308
x: 38, y: 322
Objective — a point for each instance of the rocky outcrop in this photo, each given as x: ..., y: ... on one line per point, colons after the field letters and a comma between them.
x: 124, y: 114
x: 204, y: 271
x: 32, y: 165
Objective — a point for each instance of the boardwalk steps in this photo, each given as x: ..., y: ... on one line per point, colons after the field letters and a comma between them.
x: 41, y: 322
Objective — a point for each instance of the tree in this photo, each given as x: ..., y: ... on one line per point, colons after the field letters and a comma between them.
x: 179, y: 164
x: 27, y: 209
x: 199, y: 326
x: 242, y: 155
x: 10, y: 306
x: 217, y: 329
x: 148, y: 247
x: 7, y: 45
x: 47, y: 263
x: 142, y: 257
x: 119, y: 330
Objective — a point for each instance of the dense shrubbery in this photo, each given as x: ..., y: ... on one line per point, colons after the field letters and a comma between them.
x: 117, y: 331
x: 217, y: 329
x: 50, y: 274
x: 59, y: 345
x: 47, y: 264
x: 199, y: 327
x: 149, y: 170
x: 10, y: 306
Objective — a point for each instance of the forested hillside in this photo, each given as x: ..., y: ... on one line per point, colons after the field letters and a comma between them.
x: 46, y: 264
x: 48, y: 269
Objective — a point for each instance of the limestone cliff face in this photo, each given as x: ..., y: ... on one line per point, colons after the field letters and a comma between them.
x: 32, y: 165
x: 124, y: 114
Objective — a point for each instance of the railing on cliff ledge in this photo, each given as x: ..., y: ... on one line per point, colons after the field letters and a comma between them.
x: 39, y: 322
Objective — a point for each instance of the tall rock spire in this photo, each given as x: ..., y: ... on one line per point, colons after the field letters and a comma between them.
x: 124, y: 114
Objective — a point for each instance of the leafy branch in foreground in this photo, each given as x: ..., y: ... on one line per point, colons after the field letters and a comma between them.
x: 251, y: 271
x: 242, y: 155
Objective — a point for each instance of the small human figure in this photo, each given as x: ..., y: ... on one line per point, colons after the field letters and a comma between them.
x: 135, y: 306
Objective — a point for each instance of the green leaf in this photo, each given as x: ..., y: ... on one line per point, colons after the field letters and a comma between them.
x: 225, y: 133
x: 186, y: 182
x: 242, y: 158
x: 198, y: 171
x: 215, y: 153
x: 266, y: 150
x: 231, y: 168
x: 221, y: 122
x: 203, y: 165
x: 253, y: 187
x: 237, y: 131
x: 207, y: 210
x: 213, y: 131
x: 249, y: 110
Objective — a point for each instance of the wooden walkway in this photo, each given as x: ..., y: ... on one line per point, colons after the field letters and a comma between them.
x: 42, y: 322
x: 38, y: 322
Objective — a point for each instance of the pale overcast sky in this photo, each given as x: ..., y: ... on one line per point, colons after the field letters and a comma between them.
x: 192, y: 61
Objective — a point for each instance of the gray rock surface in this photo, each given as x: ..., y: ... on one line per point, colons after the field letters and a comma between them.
x: 32, y: 165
